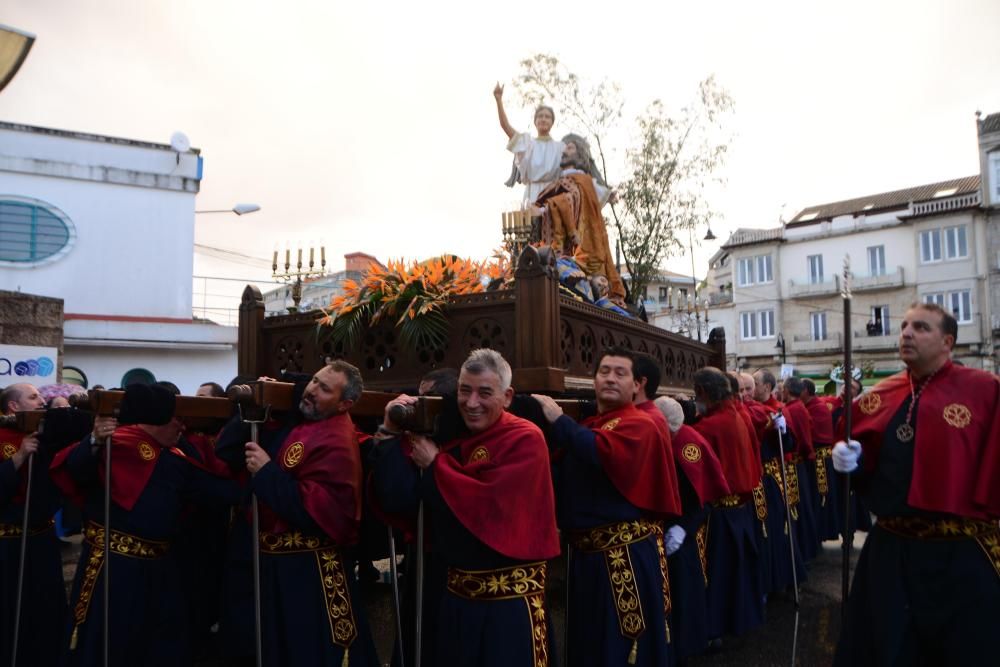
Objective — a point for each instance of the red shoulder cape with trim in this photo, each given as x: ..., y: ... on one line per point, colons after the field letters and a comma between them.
x: 821, y: 413
x: 134, y: 454
x: 800, y: 424
x: 744, y: 413
x: 500, y: 488
x: 10, y: 444
x: 760, y: 417
x: 636, y: 459
x: 956, y: 455
x: 727, y: 435
x: 324, y: 459
x: 693, y: 456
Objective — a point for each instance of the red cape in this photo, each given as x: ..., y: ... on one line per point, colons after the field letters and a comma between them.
x: 10, y: 444
x: 134, y: 454
x: 821, y: 413
x: 693, y: 456
x: 727, y: 435
x: 323, y: 458
x: 760, y: 417
x: 636, y: 459
x: 744, y: 413
x: 956, y: 454
x: 500, y: 488
x: 205, y: 444
x: 800, y: 424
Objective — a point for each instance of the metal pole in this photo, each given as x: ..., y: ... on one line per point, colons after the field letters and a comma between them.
x: 22, y: 561
x: 255, y: 527
x: 848, y: 376
x: 107, y: 551
x: 694, y: 280
x: 395, y: 595
x: 788, y: 516
x: 417, y: 643
x: 569, y: 560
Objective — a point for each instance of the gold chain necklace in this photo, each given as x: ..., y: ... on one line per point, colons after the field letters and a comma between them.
x: 904, y: 432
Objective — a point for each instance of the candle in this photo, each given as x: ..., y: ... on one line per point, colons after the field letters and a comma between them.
x: 312, y: 251
x: 322, y: 255
x: 300, y: 257
x: 288, y: 258
x: 274, y: 262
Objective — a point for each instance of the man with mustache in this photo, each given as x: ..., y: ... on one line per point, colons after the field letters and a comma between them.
x: 307, y: 478
x: 926, y: 452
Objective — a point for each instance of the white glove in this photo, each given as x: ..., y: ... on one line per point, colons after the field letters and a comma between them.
x: 674, y: 538
x: 779, y: 423
x: 845, y: 456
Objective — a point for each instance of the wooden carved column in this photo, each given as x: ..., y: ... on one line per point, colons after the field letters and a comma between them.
x: 250, y: 348
x: 536, y: 363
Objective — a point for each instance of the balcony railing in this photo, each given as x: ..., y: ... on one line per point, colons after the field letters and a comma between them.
x: 950, y: 204
x: 720, y: 298
x: 876, y: 341
x: 804, y: 343
x: 798, y: 289
x: 883, y: 281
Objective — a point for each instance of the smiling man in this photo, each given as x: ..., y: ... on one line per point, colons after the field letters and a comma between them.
x: 617, y: 483
x: 488, y: 495
x: 927, y: 585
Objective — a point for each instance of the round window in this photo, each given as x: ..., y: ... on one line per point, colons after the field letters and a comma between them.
x: 32, y: 231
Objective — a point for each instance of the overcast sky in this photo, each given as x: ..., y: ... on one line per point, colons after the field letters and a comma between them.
x: 371, y: 125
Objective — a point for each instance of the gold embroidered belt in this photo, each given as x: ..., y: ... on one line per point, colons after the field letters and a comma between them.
x: 760, y: 506
x: 661, y: 551
x: 730, y: 501
x: 613, y: 540
x: 525, y: 581
x: 122, y: 544
x: 792, y: 477
x: 985, y: 533
x: 292, y: 542
x: 611, y: 535
x: 822, y: 482
x: 773, y: 468
x: 332, y: 578
x: 14, y: 529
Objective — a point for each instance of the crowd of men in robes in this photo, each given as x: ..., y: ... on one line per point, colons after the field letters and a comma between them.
x: 676, y: 518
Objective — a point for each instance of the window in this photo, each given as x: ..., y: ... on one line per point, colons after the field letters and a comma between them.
x: 753, y: 270
x: 936, y: 297
x: 930, y: 245
x: 663, y: 295
x: 960, y: 304
x: 995, y: 169
x: 955, y: 244
x: 879, y: 323
x: 817, y: 322
x: 766, y: 318
x: 757, y: 324
x: 876, y: 260
x: 815, y: 268
x: 31, y: 231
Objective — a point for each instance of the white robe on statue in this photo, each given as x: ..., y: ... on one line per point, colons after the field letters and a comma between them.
x: 537, y: 161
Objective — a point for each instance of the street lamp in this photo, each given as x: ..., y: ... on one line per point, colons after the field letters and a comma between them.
x: 239, y: 209
x: 694, y: 279
x: 14, y: 47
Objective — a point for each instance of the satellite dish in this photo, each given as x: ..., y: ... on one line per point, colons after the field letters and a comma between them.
x: 180, y: 142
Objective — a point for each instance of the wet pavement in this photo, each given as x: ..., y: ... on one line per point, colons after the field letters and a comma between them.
x: 770, y: 645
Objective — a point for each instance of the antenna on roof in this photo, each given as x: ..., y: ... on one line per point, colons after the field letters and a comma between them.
x: 180, y: 143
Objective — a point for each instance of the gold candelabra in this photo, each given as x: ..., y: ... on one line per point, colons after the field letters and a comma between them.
x: 298, y: 272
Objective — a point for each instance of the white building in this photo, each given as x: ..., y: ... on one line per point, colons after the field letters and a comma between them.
x: 107, y: 225
x: 926, y: 243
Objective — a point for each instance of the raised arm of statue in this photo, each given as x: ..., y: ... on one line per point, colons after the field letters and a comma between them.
x: 501, y: 113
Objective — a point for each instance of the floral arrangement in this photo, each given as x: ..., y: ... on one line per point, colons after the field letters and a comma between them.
x: 412, y: 294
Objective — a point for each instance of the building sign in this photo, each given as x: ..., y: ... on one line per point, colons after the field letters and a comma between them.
x: 32, y: 365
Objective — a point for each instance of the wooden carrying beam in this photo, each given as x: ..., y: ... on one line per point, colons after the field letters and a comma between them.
x: 26, y: 421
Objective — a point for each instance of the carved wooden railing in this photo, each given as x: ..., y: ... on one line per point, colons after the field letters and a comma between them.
x: 552, y: 341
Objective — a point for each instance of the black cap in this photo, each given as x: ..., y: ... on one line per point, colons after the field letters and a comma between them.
x: 146, y: 404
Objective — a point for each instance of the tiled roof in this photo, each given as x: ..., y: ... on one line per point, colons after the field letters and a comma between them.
x: 884, y: 201
x: 990, y: 124
x: 751, y: 236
